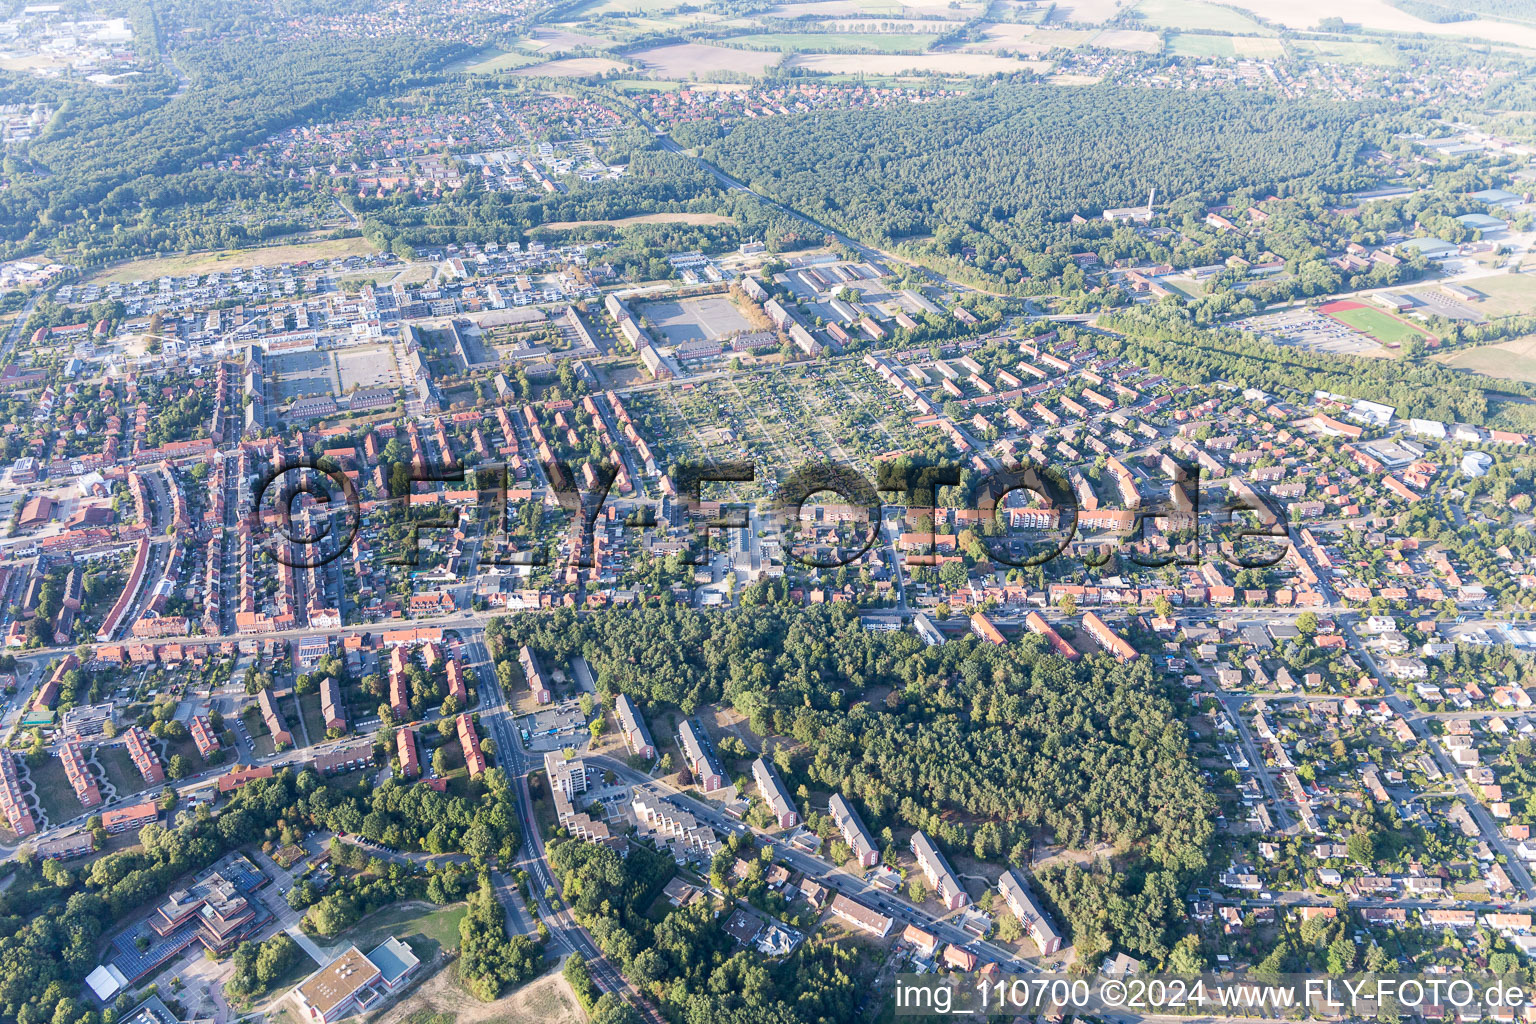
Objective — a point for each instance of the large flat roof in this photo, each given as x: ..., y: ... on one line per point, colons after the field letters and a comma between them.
x: 393, y: 958
x: 338, y: 980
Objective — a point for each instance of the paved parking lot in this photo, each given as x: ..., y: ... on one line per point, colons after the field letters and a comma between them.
x: 1312, y: 331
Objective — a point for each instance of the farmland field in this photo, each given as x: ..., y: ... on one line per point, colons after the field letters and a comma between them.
x: 1128, y: 39
x: 1191, y: 44
x: 685, y: 59
x: 1381, y: 16
x: 1197, y: 16
x: 811, y: 42
x: 599, y: 8
x: 572, y: 67
x: 896, y: 8
x: 488, y: 62
x: 1020, y: 38
x: 1511, y: 360
x: 643, y: 218
x: 232, y: 259
x: 896, y: 64
x: 1348, y: 52
x: 1504, y: 294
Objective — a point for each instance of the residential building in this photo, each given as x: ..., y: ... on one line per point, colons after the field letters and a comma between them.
x: 855, y: 835
x: 940, y: 875
x: 273, y: 717
x: 636, y: 736
x: 701, y: 762
x: 679, y: 828
x: 864, y: 918
x: 474, y: 759
x: 343, y: 759
x: 538, y: 683
x: 1021, y: 901
x: 1108, y: 638
x: 88, y: 721
x: 405, y: 744
x: 125, y: 819
x: 144, y: 757
x: 771, y: 788
x: 79, y: 774
x: 68, y: 847
x: 12, y: 801
x: 332, y: 708
x: 237, y: 777
x: 202, y: 735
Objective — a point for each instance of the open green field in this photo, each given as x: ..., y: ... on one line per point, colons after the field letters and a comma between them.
x: 1510, y: 360
x: 628, y: 85
x: 120, y: 769
x: 1185, y: 287
x: 1386, y: 329
x: 1197, y: 16
x: 1503, y: 295
x: 492, y: 60
x: 1345, y: 51
x: 828, y: 42
x: 1194, y: 44
x: 232, y: 259
x: 601, y: 8
x: 426, y: 928
x: 55, y: 795
x: 314, y: 721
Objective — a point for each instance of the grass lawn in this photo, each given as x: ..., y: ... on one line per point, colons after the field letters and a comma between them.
x: 54, y: 793
x: 1511, y: 360
x: 254, y: 723
x: 186, y: 746
x: 309, y: 707
x: 1187, y: 288
x: 830, y: 42
x: 120, y: 769
x: 231, y: 259
x: 1386, y: 329
x: 425, y: 928
x: 1194, y: 15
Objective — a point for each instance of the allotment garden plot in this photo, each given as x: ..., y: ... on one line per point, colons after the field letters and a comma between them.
x: 780, y: 419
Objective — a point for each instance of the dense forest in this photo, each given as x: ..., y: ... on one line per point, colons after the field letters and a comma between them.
x: 988, y: 748
x: 686, y: 961
x: 114, y: 164
x: 992, y: 180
